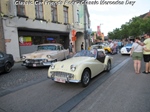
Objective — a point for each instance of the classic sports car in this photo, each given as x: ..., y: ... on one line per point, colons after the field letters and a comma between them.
x: 45, y: 55
x: 126, y: 49
x: 6, y: 62
x: 102, y: 46
x: 83, y: 66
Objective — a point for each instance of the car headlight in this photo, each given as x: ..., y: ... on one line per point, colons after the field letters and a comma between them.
x: 52, y: 66
x: 27, y: 61
x: 48, y: 56
x: 73, y: 68
x: 23, y: 57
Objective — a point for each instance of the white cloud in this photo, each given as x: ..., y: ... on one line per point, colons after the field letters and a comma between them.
x: 113, y: 16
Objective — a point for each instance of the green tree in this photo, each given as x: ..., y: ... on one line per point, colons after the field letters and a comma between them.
x: 135, y: 27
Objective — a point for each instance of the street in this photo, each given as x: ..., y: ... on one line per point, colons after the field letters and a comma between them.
x: 29, y: 90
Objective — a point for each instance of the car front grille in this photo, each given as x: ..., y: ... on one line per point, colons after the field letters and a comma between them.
x: 35, y: 61
x: 62, y: 74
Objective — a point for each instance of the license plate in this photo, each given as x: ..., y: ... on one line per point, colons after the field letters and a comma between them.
x: 62, y: 80
x: 34, y: 65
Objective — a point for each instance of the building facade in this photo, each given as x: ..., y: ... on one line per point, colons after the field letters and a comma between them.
x: 28, y: 23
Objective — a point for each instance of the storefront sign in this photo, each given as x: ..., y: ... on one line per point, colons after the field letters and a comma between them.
x: 25, y: 41
x: 73, y: 35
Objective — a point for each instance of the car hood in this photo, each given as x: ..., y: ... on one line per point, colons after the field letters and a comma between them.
x: 74, y: 61
x: 39, y: 54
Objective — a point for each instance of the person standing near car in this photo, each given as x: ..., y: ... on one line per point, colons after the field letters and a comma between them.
x: 137, y: 55
x: 146, y: 54
x: 82, y: 46
x: 119, y: 45
x: 70, y: 47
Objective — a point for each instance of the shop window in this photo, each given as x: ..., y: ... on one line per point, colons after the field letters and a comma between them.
x: 39, y: 9
x: 25, y: 41
x: 36, y: 40
x: 54, y: 12
x: 65, y: 9
x: 20, y: 8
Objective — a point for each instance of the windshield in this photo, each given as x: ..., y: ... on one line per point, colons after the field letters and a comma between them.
x: 47, y: 47
x: 87, y: 53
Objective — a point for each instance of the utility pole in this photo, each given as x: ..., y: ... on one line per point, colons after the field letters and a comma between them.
x: 2, y: 40
x: 85, y: 32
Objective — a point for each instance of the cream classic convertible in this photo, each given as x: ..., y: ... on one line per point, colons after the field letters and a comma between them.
x: 83, y: 66
x: 45, y: 55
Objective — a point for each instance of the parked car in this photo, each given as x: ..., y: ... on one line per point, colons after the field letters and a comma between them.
x: 83, y: 66
x: 6, y: 62
x: 102, y: 46
x: 45, y: 55
x: 126, y: 49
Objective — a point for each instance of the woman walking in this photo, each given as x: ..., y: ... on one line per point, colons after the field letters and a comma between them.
x: 137, y: 55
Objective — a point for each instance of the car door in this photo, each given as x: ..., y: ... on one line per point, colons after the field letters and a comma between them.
x: 59, y: 54
x: 99, y: 62
x: 97, y: 66
x: 63, y: 52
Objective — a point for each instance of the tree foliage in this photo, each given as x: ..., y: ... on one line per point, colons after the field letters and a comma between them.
x: 135, y: 27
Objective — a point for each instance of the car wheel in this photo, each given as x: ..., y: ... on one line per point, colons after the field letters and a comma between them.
x: 8, y: 67
x: 108, y: 66
x: 86, y: 77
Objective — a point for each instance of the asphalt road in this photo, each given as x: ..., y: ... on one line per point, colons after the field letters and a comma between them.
x: 29, y: 90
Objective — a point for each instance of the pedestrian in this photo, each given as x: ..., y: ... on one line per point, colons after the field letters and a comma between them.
x: 70, y: 47
x: 146, y: 54
x: 137, y: 55
x: 82, y: 46
x: 119, y: 45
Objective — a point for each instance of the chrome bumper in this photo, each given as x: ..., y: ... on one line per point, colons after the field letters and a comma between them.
x: 68, y: 81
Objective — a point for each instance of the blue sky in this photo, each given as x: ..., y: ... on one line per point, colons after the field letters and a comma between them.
x: 113, y: 16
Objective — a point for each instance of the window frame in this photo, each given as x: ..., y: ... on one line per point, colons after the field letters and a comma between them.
x: 20, y: 9
x: 54, y: 13
x: 66, y: 17
x: 38, y: 11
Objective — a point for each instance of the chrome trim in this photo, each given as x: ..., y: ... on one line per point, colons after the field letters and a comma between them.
x: 69, y: 77
x: 75, y: 81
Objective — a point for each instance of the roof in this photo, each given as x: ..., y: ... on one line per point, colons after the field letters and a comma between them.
x: 145, y: 15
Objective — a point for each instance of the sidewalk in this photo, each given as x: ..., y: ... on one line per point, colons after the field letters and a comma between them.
x: 124, y: 91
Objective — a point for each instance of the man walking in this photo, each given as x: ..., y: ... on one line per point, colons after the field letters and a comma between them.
x: 82, y: 46
x: 146, y: 54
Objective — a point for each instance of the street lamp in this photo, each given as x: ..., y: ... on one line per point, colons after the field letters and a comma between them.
x: 100, y: 25
x: 101, y: 32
